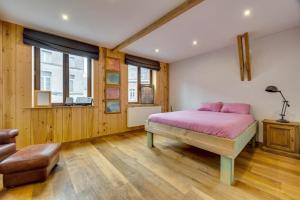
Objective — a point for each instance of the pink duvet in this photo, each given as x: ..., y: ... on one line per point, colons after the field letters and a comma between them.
x: 227, y: 125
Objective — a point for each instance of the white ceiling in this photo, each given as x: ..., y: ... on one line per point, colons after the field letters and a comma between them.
x: 213, y: 23
x: 102, y: 22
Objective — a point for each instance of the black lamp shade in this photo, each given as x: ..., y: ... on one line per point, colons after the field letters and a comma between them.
x: 272, y: 88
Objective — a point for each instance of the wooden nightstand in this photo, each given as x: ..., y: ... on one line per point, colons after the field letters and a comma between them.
x: 282, y: 138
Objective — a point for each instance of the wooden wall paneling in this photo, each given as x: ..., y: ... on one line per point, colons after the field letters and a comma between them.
x: 93, y: 113
x: 114, y: 121
x: 9, y: 73
x: 124, y: 95
x: 119, y: 121
x: 97, y: 128
x: 122, y: 126
x: 39, y: 126
x: 1, y: 77
x: 165, y: 80
x: 161, y: 83
x: 157, y: 87
x: 97, y: 99
x: 42, y: 134
x: 23, y: 90
x: 95, y: 82
x: 67, y: 124
x: 84, y: 122
x: 58, y: 125
x: 76, y: 124
x: 112, y: 126
x: 162, y: 87
x: 34, y: 117
x: 101, y: 67
x: 50, y: 124
x: 90, y: 123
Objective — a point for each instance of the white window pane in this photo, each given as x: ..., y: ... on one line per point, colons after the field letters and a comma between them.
x: 52, y: 74
x: 71, y: 83
x: 46, y: 80
x: 46, y: 56
x: 132, y: 83
x: 78, y: 79
x: 145, y: 76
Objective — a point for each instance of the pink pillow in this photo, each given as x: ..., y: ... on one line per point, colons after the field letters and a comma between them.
x: 240, y: 108
x: 214, y: 107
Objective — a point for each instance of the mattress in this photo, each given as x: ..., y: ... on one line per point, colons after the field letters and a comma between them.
x: 226, y: 125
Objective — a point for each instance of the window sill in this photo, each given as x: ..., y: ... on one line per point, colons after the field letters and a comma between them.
x: 54, y: 107
x: 141, y: 105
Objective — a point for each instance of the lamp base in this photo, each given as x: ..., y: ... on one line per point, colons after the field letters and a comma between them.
x: 282, y: 121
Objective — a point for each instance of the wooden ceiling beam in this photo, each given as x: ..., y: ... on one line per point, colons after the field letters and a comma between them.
x: 188, y: 4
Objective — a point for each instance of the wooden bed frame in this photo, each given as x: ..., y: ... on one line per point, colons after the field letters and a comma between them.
x: 228, y: 149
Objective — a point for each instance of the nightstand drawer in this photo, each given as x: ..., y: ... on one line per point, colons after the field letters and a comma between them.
x: 281, y: 137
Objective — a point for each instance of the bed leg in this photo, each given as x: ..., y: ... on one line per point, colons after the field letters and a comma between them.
x: 253, y: 142
x: 227, y: 170
x: 150, y: 139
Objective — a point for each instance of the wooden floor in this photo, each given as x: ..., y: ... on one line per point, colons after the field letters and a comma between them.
x: 122, y: 167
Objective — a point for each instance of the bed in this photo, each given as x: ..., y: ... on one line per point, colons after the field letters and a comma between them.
x: 225, y: 134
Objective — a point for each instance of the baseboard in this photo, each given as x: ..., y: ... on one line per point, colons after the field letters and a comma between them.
x: 135, y: 130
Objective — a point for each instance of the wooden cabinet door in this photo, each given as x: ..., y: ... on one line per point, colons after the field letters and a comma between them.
x: 281, y: 137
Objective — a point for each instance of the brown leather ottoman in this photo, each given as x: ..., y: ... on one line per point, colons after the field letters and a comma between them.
x: 31, y: 164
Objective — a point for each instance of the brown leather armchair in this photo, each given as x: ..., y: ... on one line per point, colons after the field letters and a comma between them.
x: 7, y: 142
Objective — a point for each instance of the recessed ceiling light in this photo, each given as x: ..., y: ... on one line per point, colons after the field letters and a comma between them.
x: 65, y: 17
x: 156, y: 50
x: 247, y: 12
x: 195, y: 42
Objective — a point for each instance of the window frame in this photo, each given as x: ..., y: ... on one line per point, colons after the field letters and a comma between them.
x: 66, y: 74
x: 139, y: 84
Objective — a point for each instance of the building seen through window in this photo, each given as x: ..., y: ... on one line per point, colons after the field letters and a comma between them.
x: 46, y: 80
x: 78, y: 76
x: 132, y: 83
x: 137, y: 76
x: 52, y: 75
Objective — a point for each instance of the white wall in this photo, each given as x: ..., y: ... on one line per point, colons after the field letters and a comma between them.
x: 215, y: 77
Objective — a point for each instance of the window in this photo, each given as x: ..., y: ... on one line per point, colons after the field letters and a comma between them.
x: 71, y: 82
x: 145, y: 76
x: 132, y: 94
x: 78, y: 76
x: 63, y: 74
x: 137, y: 76
x: 46, y: 80
x: 46, y: 56
x: 132, y: 83
x: 51, y: 74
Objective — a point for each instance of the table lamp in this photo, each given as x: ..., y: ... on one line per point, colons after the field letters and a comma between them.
x: 274, y: 89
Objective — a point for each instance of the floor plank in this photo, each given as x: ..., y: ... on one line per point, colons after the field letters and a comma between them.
x: 122, y: 167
